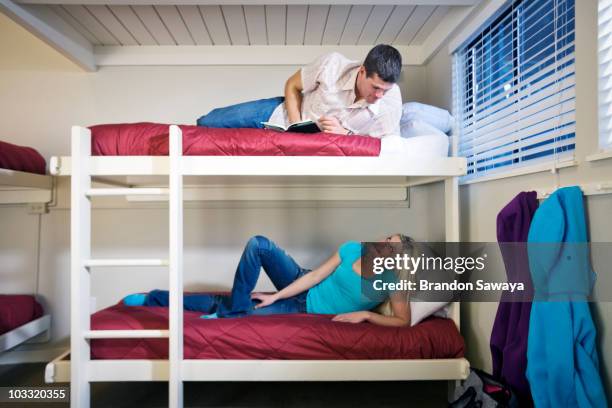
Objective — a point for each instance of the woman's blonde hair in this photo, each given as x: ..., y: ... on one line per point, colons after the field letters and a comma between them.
x: 408, y: 246
x: 407, y: 242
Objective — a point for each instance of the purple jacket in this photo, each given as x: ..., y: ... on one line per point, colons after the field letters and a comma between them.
x: 511, y: 326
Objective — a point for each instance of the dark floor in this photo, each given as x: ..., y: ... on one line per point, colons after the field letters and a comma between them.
x: 421, y: 394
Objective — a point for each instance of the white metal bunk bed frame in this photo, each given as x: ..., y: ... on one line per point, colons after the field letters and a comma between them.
x: 82, y: 370
x: 36, y: 191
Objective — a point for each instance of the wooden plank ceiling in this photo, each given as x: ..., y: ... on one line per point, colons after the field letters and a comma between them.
x: 133, y: 25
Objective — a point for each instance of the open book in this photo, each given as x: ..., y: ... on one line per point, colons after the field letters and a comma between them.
x: 306, y: 126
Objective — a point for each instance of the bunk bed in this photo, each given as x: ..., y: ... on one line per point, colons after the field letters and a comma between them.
x: 21, y: 320
x: 128, y: 173
x: 23, y: 181
x: 23, y: 178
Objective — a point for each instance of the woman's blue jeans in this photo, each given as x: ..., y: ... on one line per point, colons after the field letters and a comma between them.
x: 260, y: 252
x: 242, y: 115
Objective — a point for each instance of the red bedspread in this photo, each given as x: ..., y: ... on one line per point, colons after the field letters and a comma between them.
x: 21, y: 158
x: 17, y: 310
x: 300, y: 336
x: 151, y: 139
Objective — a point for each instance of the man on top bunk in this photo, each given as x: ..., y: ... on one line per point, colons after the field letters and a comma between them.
x: 340, y: 95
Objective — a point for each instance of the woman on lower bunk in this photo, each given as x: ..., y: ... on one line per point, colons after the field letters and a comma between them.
x: 336, y: 287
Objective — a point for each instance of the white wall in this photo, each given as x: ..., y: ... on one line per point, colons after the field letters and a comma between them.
x: 42, y: 95
x: 482, y: 201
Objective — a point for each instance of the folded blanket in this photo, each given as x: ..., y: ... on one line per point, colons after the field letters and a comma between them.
x: 21, y: 158
x: 17, y: 310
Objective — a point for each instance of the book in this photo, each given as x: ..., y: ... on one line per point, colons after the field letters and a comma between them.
x: 305, y: 126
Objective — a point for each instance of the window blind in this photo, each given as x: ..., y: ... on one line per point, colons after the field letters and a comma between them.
x: 514, y: 88
x: 605, y: 73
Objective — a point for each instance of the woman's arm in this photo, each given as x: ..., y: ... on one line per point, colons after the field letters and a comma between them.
x: 401, y: 314
x: 300, y: 285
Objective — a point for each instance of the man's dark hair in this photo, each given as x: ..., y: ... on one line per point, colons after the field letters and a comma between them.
x: 385, y: 61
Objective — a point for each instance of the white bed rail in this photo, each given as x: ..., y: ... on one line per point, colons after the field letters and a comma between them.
x: 24, y: 333
x: 449, y: 369
x: 81, y: 372
x: 18, y: 187
x: 175, y: 183
x: 80, y: 250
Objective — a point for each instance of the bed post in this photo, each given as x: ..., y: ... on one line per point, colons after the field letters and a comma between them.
x: 452, y: 211
x: 451, y: 184
x: 175, y: 184
x: 451, y: 196
x: 80, y: 250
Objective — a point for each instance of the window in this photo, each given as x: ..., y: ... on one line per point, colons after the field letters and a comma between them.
x: 514, y: 89
x: 605, y: 74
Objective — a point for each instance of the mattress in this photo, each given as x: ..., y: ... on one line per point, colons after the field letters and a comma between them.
x: 21, y: 158
x: 151, y: 139
x: 17, y: 310
x: 298, y: 336
x: 427, y: 145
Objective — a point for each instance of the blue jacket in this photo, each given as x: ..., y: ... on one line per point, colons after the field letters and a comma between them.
x: 562, y: 361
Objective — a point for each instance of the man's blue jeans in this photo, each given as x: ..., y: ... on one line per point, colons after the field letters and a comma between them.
x: 260, y: 252
x: 243, y: 115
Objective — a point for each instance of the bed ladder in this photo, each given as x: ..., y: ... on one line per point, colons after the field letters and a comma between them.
x: 83, y: 166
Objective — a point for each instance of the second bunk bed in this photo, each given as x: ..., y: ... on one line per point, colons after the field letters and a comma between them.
x: 23, y: 181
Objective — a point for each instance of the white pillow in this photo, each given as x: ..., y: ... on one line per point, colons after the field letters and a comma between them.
x: 439, y: 118
x: 431, y: 145
x: 417, y: 127
x: 421, y: 310
x: 418, y: 310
